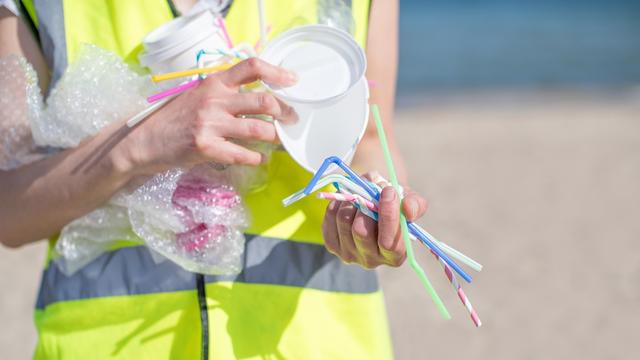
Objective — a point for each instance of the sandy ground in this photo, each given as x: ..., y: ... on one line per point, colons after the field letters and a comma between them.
x: 541, y: 187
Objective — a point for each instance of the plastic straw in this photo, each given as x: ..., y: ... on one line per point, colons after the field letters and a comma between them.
x: 356, y: 199
x: 173, y: 91
x: 225, y: 33
x: 327, y: 180
x: 258, y: 44
x: 148, y: 111
x: 374, y: 192
x: 183, y: 73
x: 453, y: 252
x: 362, y: 198
x: 263, y: 23
x: 358, y: 186
x: 403, y: 221
x: 458, y: 288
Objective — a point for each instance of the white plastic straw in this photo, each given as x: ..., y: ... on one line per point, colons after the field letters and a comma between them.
x: 148, y: 111
x: 263, y: 23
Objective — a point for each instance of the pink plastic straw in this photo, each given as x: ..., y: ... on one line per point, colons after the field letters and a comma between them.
x: 258, y: 43
x: 463, y: 297
x: 225, y: 33
x: 357, y: 199
x: 174, y: 90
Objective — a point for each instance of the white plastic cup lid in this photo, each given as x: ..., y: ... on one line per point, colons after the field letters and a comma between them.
x: 328, y: 63
x: 177, y: 36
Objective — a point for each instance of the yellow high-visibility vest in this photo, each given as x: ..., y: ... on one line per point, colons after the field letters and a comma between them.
x: 293, y: 299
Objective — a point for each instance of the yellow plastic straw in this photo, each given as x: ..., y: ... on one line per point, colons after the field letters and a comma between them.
x: 403, y: 221
x: 177, y: 74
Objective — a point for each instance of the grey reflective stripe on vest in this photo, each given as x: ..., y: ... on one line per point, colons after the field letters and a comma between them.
x: 132, y: 271
x: 52, y: 36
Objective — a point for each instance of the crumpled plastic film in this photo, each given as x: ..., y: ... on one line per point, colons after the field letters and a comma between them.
x: 18, y: 88
x: 337, y: 14
x: 96, y: 90
x: 193, y: 217
x: 85, y: 238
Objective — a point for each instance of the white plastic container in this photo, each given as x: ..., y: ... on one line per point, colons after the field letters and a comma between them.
x: 330, y: 98
x: 174, y: 45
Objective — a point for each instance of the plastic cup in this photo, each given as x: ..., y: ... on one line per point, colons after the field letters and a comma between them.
x: 330, y: 97
x: 174, y: 45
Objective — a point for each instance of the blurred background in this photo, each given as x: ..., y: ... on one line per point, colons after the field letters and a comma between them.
x: 520, y: 122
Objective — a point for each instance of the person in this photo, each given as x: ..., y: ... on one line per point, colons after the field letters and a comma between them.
x: 295, y: 298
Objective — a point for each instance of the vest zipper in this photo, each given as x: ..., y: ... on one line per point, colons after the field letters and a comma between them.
x: 204, y: 315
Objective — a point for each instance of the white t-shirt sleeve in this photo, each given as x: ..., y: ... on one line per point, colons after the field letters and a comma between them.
x: 11, y: 6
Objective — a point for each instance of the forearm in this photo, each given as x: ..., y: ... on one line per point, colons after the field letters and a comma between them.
x: 382, y: 56
x: 38, y: 199
x: 369, y: 157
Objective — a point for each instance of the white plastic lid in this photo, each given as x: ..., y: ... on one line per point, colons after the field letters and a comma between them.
x: 328, y: 63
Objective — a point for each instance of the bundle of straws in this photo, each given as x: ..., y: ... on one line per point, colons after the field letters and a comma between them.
x: 365, y: 196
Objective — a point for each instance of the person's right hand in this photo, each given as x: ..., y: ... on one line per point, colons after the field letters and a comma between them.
x: 202, y: 124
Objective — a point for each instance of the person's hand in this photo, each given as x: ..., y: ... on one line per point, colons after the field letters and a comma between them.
x: 203, y: 124
x: 356, y: 238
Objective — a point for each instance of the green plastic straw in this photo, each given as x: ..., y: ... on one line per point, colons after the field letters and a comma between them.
x: 403, y: 221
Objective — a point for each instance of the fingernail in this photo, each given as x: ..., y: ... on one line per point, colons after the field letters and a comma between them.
x: 375, y: 176
x: 289, y: 114
x: 389, y: 194
x: 412, y: 206
x: 292, y: 77
x: 379, y: 179
x: 333, y: 206
x: 264, y: 158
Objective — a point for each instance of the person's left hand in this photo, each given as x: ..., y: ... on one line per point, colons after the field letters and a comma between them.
x: 356, y: 238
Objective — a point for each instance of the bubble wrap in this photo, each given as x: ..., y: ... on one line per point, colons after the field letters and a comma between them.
x: 337, y: 14
x: 193, y: 217
x: 96, y: 90
x: 17, y: 79
x: 87, y: 237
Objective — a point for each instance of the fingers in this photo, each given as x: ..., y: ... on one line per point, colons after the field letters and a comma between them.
x: 413, y: 205
x: 249, y: 129
x: 330, y: 228
x: 253, y: 69
x: 262, y: 104
x: 388, y: 219
x: 355, y: 237
x: 365, y: 236
x: 344, y: 219
x: 226, y: 152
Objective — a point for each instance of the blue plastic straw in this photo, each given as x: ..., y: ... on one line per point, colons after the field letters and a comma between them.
x: 373, y: 192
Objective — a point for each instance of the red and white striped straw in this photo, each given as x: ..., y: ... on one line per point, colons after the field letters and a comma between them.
x: 363, y: 202
x: 463, y: 297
